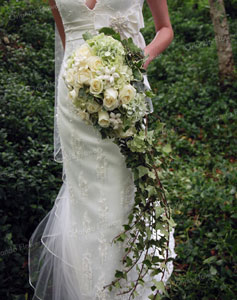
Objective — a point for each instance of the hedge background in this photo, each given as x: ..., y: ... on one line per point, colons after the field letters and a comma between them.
x: 199, y: 113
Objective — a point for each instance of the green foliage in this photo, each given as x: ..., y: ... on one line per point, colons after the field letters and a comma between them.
x: 200, y: 181
x: 30, y: 179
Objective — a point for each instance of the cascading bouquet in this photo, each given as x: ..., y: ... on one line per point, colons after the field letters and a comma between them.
x: 104, y: 77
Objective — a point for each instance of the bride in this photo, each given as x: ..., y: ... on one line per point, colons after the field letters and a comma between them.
x: 71, y: 256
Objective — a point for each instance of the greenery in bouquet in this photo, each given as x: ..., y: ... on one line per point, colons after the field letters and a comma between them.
x: 104, y: 77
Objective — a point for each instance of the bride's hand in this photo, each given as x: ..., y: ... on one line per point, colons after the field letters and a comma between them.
x: 149, y: 58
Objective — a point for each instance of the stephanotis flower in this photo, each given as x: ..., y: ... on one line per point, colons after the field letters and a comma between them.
x: 115, y: 120
x: 108, y: 74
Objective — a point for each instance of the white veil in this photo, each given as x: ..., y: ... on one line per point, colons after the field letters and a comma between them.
x: 58, y: 54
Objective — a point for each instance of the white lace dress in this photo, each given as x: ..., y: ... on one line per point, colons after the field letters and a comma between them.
x: 71, y: 256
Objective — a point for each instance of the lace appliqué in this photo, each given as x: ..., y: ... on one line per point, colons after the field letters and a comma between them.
x: 101, y: 293
x: 101, y: 163
x: 103, y: 248
x: 127, y: 193
x: 83, y: 186
x: 78, y: 146
x: 86, y: 224
x: 72, y: 197
x: 103, y: 209
x: 86, y: 273
x: 74, y: 230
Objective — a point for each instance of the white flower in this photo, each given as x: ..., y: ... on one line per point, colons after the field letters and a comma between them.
x: 108, y: 74
x: 83, y: 115
x: 96, y: 86
x: 84, y: 50
x: 127, y: 94
x: 115, y: 120
x: 110, y: 101
x: 84, y: 77
x: 70, y: 76
x: 73, y: 94
x: 94, y: 63
x: 70, y: 62
x: 93, y: 107
x: 103, y: 119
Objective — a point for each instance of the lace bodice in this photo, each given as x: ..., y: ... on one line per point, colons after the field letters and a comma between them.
x: 123, y: 15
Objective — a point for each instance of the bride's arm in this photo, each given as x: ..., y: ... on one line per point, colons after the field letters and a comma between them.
x: 160, y: 13
x: 58, y: 20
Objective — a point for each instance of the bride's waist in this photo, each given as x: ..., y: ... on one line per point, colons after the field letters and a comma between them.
x: 75, y: 30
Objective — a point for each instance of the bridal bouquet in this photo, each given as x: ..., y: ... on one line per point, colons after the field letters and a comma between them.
x: 104, y: 77
x: 104, y: 88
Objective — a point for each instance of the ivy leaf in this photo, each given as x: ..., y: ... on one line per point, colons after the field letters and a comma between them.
x: 170, y: 221
x: 118, y: 274
x: 117, y: 285
x: 137, y: 75
x: 158, y: 297
x: 87, y: 36
x: 167, y: 148
x: 147, y: 263
x: 142, y: 171
x: 213, y: 271
x: 160, y: 286
x: 159, y: 210
x: 122, y: 237
x: 148, y: 231
x: 152, y: 175
x: 151, y: 190
x: 129, y: 261
x: 209, y: 260
x: 107, y: 31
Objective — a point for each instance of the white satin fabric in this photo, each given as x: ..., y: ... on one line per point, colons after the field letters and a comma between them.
x: 71, y: 256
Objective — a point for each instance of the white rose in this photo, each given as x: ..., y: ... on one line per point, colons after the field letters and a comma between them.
x: 84, y: 77
x: 70, y: 62
x: 84, y: 51
x: 83, y: 115
x: 73, y: 94
x: 127, y: 93
x: 96, y: 86
x: 93, y: 107
x: 110, y: 101
x: 103, y: 119
x: 70, y: 76
x: 94, y: 63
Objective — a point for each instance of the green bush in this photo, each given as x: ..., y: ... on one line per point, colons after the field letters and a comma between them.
x: 30, y: 179
x: 200, y: 116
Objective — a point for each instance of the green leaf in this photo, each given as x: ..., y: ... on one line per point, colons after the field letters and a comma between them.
x: 118, y: 274
x: 151, y: 190
x: 159, y: 210
x: 209, y: 260
x: 137, y: 75
x: 152, y: 175
x: 107, y: 30
x: 117, y: 285
x: 167, y: 148
x: 213, y: 271
x: 87, y: 36
x: 159, y: 285
x: 170, y: 221
x: 142, y: 171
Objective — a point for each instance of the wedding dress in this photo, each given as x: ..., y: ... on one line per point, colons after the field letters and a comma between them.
x: 71, y: 256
